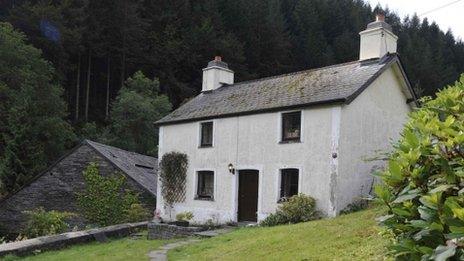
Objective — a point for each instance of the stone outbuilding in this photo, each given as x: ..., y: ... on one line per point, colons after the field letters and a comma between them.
x: 56, y: 187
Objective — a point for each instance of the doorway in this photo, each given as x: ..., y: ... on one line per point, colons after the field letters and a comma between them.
x: 248, y: 195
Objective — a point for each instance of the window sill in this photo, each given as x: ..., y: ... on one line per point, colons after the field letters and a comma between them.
x: 205, y: 146
x: 203, y: 199
x: 289, y: 141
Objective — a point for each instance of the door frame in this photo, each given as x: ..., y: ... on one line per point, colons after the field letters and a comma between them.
x: 258, y: 168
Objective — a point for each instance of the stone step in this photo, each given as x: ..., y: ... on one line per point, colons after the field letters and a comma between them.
x: 213, y: 233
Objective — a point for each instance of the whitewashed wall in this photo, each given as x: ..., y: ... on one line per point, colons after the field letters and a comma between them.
x: 369, y: 125
x: 335, y: 141
x: 252, y: 142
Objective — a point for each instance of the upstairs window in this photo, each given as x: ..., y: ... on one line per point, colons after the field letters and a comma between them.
x: 291, y: 126
x: 206, y: 134
x: 288, y: 183
x: 205, y: 186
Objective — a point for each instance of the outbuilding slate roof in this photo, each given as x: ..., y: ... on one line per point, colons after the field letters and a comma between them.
x: 337, y: 83
x: 141, y: 168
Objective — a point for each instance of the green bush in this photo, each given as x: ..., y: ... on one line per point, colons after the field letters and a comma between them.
x: 137, y: 213
x: 299, y: 208
x: 355, y: 207
x: 184, y: 216
x: 423, y: 184
x: 105, y: 201
x: 44, y: 223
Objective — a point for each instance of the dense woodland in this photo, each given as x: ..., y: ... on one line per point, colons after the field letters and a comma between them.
x: 116, y: 66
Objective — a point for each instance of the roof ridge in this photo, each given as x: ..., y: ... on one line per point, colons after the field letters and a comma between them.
x: 116, y: 148
x: 292, y: 73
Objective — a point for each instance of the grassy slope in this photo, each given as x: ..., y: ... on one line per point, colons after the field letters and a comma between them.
x: 119, y: 249
x: 348, y: 237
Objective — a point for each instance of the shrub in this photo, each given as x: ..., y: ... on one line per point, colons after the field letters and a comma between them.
x: 274, y: 219
x: 44, y: 223
x: 105, y: 201
x: 136, y: 213
x: 423, y: 183
x: 173, y: 175
x: 355, y: 207
x: 184, y: 216
x: 299, y: 208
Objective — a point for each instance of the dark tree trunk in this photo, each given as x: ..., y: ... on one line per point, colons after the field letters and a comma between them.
x: 108, y: 75
x: 88, y: 88
x: 78, y: 83
x: 123, y: 55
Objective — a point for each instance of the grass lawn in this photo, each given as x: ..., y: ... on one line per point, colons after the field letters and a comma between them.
x: 118, y: 249
x: 349, y: 237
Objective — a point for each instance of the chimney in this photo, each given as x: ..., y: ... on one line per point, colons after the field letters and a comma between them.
x: 377, y: 40
x: 216, y: 74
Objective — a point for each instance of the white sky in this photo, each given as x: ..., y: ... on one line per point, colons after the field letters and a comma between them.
x: 448, y: 17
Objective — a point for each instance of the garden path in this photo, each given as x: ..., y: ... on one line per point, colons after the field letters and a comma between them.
x: 161, y: 253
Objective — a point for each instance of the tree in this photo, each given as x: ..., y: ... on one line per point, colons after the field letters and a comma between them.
x: 137, y: 106
x: 33, y: 129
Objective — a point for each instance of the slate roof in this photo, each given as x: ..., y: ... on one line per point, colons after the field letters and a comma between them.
x: 141, y: 168
x: 337, y: 83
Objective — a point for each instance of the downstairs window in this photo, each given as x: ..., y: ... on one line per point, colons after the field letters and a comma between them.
x: 288, y: 183
x: 205, y: 185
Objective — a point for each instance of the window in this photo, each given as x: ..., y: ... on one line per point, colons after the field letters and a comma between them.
x: 205, y: 186
x: 288, y: 183
x: 206, y: 134
x: 291, y: 126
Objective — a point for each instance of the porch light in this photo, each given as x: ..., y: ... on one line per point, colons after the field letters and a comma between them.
x: 231, y: 168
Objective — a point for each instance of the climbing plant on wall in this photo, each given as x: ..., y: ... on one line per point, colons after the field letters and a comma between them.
x: 173, y: 174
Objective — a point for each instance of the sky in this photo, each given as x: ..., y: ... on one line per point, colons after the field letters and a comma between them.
x: 451, y: 16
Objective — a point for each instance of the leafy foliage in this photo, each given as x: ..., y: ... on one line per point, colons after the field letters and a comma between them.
x: 184, y: 216
x: 44, y: 223
x: 105, y: 201
x: 136, y: 108
x: 136, y: 213
x: 423, y: 183
x: 298, y: 208
x: 356, y: 206
x: 173, y: 175
x: 33, y: 130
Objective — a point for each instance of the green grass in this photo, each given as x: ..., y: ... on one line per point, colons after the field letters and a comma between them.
x: 349, y: 237
x: 118, y: 249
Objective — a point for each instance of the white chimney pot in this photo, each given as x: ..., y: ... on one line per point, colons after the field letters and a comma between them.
x: 377, y: 40
x: 216, y: 74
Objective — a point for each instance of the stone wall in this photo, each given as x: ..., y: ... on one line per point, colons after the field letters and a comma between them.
x: 165, y: 231
x: 56, y: 190
x: 24, y: 247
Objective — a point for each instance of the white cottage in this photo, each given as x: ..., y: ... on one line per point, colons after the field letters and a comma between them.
x: 252, y: 143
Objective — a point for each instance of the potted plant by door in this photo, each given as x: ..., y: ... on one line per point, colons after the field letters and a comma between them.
x: 183, y: 218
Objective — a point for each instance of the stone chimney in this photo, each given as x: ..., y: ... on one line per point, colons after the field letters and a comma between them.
x: 216, y: 74
x: 377, y: 40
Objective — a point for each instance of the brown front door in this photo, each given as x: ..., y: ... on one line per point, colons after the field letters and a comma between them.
x: 248, y: 195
